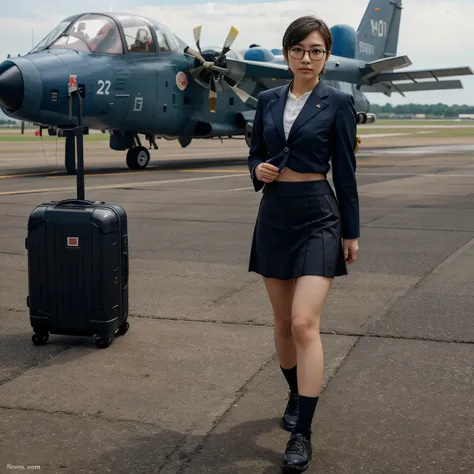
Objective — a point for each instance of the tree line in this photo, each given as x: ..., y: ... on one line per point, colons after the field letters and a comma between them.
x: 438, y: 110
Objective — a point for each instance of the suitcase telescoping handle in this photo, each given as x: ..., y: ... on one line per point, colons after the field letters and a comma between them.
x: 81, y: 191
x: 78, y: 134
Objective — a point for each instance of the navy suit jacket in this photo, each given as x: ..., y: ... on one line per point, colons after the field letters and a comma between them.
x: 324, y: 132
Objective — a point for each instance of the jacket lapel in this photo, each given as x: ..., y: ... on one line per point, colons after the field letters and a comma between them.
x: 278, y: 108
x: 316, y: 103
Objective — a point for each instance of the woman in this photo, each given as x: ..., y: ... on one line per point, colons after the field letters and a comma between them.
x: 303, y: 237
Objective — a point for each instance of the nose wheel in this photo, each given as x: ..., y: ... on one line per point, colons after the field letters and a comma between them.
x: 138, y: 158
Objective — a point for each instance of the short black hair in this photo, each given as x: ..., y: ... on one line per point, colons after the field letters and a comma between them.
x: 300, y: 28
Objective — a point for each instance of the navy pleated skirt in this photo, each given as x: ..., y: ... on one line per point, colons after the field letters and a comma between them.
x: 297, y: 232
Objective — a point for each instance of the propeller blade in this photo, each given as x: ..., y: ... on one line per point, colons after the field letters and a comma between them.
x: 212, y: 95
x: 245, y: 97
x: 229, y: 40
x: 222, y: 70
x: 230, y: 81
x: 196, y: 71
x: 193, y: 52
x: 197, y: 37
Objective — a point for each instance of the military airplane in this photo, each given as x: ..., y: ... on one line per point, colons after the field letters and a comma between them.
x: 136, y: 77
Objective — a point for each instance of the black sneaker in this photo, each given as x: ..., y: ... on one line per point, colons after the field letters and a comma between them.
x: 298, y: 453
x: 290, y: 417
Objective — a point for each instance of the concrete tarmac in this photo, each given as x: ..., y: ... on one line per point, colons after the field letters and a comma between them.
x: 195, y: 385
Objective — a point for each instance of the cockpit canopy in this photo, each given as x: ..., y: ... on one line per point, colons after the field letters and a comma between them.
x: 117, y: 34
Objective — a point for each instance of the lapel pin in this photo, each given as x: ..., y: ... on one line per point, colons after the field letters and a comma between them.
x: 318, y: 105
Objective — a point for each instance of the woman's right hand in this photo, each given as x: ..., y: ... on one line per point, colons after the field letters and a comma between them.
x: 266, y: 172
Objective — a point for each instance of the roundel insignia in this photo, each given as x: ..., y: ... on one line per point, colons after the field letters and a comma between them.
x: 181, y: 80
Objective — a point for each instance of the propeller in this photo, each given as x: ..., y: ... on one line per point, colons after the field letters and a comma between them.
x: 215, y: 70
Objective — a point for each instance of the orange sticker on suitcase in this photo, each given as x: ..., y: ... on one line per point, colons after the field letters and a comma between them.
x: 73, y: 242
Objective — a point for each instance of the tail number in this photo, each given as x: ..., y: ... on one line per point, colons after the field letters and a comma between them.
x: 379, y: 28
x: 103, y: 85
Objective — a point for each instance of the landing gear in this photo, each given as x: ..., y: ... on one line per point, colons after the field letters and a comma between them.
x: 138, y: 158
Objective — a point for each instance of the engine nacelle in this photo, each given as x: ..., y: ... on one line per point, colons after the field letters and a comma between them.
x: 344, y: 39
x: 363, y: 118
x: 259, y: 54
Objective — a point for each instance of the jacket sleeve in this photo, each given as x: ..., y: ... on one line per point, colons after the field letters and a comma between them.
x: 344, y: 167
x: 258, y: 149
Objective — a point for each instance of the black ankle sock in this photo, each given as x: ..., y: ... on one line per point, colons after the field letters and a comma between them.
x: 307, y: 406
x: 290, y: 376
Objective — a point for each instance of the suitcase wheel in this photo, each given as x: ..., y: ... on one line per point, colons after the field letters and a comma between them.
x: 123, y: 328
x: 40, y: 338
x: 103, y: 341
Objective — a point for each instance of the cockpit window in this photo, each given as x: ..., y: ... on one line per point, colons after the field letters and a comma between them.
x: 138, y: 35
x: 166, y: 39
x: 51, y: 36
x: 92, y: 34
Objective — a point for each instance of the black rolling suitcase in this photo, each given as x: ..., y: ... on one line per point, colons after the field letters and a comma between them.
x: 78, y: 265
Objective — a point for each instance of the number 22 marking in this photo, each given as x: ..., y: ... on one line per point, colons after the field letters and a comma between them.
x: 103, y: 84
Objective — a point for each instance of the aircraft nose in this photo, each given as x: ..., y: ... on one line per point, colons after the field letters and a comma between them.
x: 12, y: 88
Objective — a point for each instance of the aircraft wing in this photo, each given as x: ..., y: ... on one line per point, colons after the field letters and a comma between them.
x: 421, y: 74
x: 389, y: 87
x: 240, y: 69
x: 386, y: 64
x: 386, y: 82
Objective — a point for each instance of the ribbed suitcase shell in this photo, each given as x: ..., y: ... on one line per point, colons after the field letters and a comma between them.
x: 78, y: 269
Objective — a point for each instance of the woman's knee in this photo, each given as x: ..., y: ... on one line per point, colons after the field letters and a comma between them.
x: 305, y: 327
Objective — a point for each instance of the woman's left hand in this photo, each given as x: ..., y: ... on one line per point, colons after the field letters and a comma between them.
x: 351, y: 247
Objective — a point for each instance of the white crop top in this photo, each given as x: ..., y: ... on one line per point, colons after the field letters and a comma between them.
x: 292, y: 109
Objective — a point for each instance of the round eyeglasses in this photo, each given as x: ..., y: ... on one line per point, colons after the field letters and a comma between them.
x: 315, y: 54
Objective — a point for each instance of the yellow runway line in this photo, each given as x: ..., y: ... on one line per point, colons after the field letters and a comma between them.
x: 122, y: 173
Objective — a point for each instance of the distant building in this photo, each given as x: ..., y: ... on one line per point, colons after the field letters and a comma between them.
x: 466, y: 116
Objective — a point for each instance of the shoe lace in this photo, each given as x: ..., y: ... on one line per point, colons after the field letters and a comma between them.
x: 296, y: 445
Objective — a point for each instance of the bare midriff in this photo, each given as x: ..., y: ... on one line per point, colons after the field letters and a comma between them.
x: 289, y: 175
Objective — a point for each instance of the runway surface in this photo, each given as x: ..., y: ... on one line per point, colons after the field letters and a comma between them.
x: 195, y: 385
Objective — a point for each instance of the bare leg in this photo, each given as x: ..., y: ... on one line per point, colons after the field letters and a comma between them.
x: 308, y: 302
x: 280, y: 293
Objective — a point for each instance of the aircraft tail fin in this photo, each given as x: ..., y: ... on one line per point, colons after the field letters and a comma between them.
x: 378, y: 32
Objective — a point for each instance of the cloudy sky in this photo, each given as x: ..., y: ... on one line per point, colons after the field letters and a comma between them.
x: 434, y: 33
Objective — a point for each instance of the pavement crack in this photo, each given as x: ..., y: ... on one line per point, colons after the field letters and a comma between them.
x: 360, y: 334
x: 173, y: 219
x: 188, y: 451
x: 425, y: 229
x: 11, y: 310
x: 34, y: 366
x: 96, y: 416
x: 451, y: 256
x: 230, y: 293
x: 200, y: 320
x: 335, y: 366
x: 401, y: 338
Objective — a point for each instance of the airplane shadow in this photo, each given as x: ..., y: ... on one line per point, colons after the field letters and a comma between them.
x: 156, y: 165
